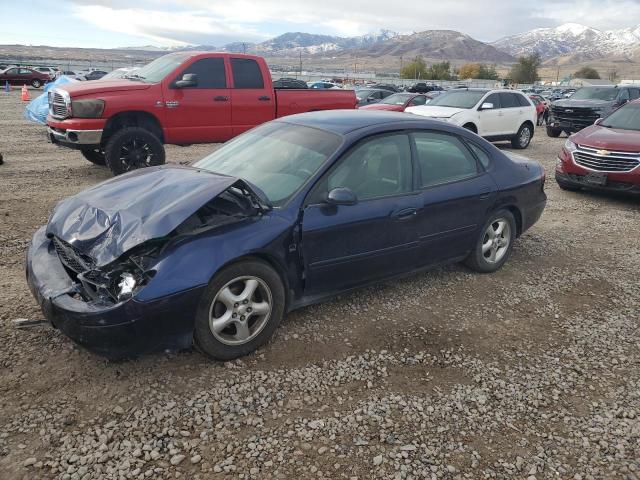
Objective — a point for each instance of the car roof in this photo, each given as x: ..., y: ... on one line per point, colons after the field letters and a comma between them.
x: 343, y: 122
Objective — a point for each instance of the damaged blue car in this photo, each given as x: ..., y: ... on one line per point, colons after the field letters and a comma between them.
x: 285, y: 215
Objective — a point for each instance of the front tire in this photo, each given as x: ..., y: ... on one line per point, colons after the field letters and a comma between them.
x: 523, y: 137
x: 240, y: 310
x: 131, y: 148
x: 494, y: 244
x: 553, y: 132
x: 35, y: 83
x: 95, y: 156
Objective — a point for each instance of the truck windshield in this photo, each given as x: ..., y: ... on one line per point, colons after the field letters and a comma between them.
x: 596, y: 93
x: 625, y: 118
x: 276, y: 157
x: 158, y: 69
x: 458, y: 99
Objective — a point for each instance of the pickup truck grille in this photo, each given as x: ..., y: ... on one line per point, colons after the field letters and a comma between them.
x: 612, y: 161
x: 580, y: 117
x: 57, y: 105
x: 71, y: 257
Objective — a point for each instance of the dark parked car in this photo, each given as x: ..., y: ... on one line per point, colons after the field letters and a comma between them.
x: 422, y: 87
x: 24, y: 76
x: 604, y: 156
x: 367, y: 96
x: 399, y: 101
x: 586, y: 106
x: 94, y: 75
x: 386, y: 86
x: 289, y: 83
x: 291, y: 212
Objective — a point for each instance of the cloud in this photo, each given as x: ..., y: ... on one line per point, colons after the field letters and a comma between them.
x: 203, y: 21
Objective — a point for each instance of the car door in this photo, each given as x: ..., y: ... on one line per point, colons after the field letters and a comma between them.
x: 253, y: 102
x: 348, y: 245
x: 512, y: 113
x: 456, y: 195
x: 201, y: 112
x: 491, y: 119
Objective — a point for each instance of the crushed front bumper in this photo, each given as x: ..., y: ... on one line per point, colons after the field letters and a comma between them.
x: 115, y: 331
x: 579, y: 181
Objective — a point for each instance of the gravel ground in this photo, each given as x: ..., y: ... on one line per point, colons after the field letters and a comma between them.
x: 531, y: 372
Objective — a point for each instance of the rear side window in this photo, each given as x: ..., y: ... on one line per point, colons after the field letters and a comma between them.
x: 509, y: 100
x: 246, y: 73
x: 443, y: 158
x: 419, y: 100
x: 624, y: 95
x: 210, y: 72
x: 635, y: 93
x: 481, y: 154
x: 523, y: 101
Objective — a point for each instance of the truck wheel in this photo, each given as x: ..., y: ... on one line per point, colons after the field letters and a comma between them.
x: 94, y: 155
x: 553, y: 132
x: 35, y: 83
x: 132, y: 148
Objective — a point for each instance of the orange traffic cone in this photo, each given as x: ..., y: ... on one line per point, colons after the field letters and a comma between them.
x: 25, y: 94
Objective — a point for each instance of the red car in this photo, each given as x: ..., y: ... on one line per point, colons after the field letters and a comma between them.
x: 24, y: 76
x: 542, y: 109
x: 604, y: 156
x: 399, y: 101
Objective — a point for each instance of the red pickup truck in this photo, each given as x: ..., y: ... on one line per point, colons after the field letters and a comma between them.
x: 180, y: 98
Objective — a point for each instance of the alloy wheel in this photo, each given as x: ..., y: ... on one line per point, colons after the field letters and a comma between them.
x: 136, y: 153
x: 496, y: 240
x: 525, y: 137
x: 240, y: 310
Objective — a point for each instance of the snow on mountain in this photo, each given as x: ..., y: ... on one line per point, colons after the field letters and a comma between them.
x: 571, y: 38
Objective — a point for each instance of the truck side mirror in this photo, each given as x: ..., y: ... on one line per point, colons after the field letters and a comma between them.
x: 188, y: 80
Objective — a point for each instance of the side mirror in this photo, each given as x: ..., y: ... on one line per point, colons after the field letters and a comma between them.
x: 598, y: 121
x: 188, y: 80
x: 486, y: 106
x: 341, y: 196
x: 370, y: 99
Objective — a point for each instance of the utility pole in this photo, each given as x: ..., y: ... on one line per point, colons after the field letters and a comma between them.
x: 244, y: 47
x: 401, y: 65
x: 558, y: 75
x: 301, y: 62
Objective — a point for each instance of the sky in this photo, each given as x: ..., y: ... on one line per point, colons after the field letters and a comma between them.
x: 123, y: 23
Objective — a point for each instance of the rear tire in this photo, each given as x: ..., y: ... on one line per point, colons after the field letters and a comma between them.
x: 35, y: 83
x: 240, y: 310
x: 523, y: 137
x: 494, y: 244
x: 95, y: 156
x: 553, y: 132
x: 131, y: 148
x: 540, y: 120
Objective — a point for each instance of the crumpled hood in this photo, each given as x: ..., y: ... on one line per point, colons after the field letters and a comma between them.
x: 112, y: 217
x: 434, y: 111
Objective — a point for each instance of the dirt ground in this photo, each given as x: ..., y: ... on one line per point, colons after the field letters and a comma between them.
x: 531, y: 372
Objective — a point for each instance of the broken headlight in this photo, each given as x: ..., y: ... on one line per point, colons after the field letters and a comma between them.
x: 121, y: 279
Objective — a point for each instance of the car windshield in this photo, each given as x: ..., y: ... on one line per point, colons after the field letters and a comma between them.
x: 397, y: 99
x: 458, y: 99
x: 362, y: 93
x: 277, y: 157
x: 595, y: 93
x: 625, y: 118
x: 158, y: 69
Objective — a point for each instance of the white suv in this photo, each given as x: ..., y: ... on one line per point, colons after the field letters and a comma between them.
x: 492, y: 114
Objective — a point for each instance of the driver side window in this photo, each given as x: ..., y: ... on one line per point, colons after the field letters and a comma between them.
x: 377, y: 167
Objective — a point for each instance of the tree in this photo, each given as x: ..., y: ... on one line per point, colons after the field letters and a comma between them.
x: 469, y: 70
x: 439, y: 71
x: 415, y: 69
x: 526, y: 70
x: 488, y: 72
x: 586, y: 72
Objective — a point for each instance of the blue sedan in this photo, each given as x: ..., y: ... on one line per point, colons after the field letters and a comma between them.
x: 286, y: 215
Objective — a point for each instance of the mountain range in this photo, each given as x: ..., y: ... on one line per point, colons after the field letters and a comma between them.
x: 573, y: 40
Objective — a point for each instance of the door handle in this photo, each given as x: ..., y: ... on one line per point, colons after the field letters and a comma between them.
x: 405, y: 214
x: 220, y: 98
x: 484, y: 195
x: 264, y: 98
